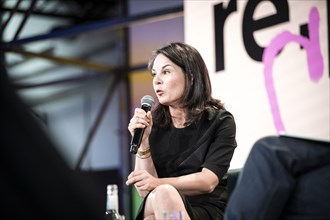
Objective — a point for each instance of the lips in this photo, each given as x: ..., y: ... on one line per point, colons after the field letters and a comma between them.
x: 159, y: 92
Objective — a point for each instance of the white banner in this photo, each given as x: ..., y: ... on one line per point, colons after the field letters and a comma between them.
x: 268, y: 62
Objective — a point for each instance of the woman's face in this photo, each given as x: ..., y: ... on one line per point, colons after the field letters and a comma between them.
x: 168, y: 81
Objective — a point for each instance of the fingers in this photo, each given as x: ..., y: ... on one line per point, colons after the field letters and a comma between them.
x: 140, y: 179
x: 141, y: 119
x: 149, y: 116
x: 134, y: 177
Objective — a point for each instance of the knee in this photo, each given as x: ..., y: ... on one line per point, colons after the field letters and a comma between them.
x: 266, y: 146
x: 164, y: 192
x: 273, y: 152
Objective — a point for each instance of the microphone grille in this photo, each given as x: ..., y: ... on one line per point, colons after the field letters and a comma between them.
x: 148, y: 100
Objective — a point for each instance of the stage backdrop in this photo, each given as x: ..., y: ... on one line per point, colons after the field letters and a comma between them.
x: 269, y: 64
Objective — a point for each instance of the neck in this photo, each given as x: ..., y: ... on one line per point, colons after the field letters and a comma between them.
x: 178, y: 116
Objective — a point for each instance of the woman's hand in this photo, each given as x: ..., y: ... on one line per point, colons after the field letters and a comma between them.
x: 141, y: 119
x: 142, y: 180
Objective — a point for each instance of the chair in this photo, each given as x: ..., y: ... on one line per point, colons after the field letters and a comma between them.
x: 233, y: 175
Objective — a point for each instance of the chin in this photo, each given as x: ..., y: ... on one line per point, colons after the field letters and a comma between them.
x: 162, y: 101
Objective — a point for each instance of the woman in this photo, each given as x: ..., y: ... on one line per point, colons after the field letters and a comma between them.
x: 188, y: 142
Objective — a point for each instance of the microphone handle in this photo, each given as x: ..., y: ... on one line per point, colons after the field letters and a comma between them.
x: 138, y: 134
x: 136, y: 140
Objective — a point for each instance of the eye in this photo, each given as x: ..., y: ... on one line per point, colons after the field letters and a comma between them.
x: 166, y: 71
x: 153, y: 74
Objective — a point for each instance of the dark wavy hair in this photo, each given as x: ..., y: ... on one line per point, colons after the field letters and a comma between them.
x: 197, y: 93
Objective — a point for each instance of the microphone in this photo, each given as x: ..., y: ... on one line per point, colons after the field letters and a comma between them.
x: 147, y: 102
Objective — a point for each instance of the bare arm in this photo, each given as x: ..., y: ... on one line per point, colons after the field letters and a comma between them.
x: 191, y: 184
x: 145, y: 163
x: 195, y: 183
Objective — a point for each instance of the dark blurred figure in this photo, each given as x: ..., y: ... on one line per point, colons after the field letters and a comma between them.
x: 35, y: 181
x: 283, y: 178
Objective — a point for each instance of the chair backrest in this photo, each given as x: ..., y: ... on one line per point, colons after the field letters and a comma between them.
x: 233, y: 175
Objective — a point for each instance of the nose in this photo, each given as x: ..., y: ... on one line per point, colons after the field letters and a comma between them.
x: 157, y: 80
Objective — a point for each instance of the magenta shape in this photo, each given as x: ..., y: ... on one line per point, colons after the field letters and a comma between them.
x: 314, y: 61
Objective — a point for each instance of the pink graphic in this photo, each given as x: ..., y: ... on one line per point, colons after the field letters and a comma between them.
x: 314, y: 60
